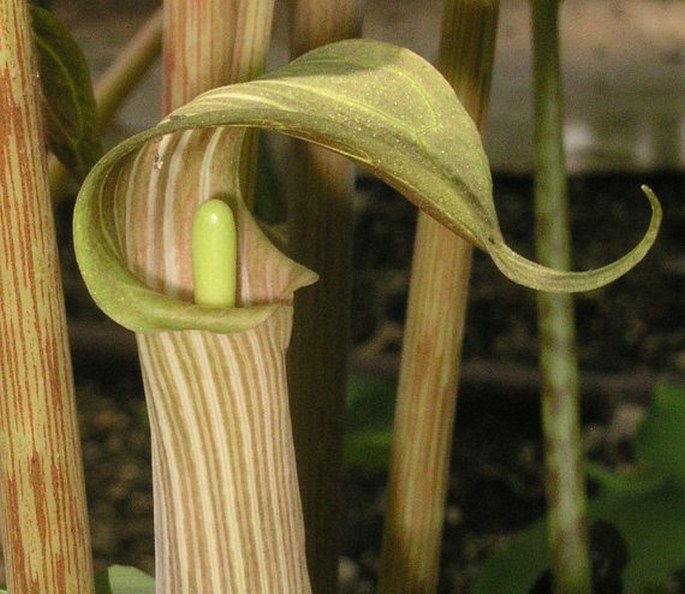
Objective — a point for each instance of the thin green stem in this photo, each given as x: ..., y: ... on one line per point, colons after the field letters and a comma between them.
x: 564, y: 479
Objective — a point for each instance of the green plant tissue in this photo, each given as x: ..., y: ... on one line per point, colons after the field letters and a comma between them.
x: 119, y: 579
x: 661, y: 441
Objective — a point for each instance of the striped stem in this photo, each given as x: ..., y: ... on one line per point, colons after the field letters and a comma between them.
x: 564, y: 477
x: 431, y: 353
x: 227, y: 509
x: 44, y: 518
x: 210, y: 43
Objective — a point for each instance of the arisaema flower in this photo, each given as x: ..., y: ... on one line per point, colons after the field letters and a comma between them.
x: 227, y: 510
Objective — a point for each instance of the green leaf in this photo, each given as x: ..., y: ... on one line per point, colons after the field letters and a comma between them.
x: 514, y: 568
x: 370, y: 407
x: 637, y: 482
x: 652, y: 524
x: 71, y: 111
x: 660, y: 444
x: 380, y: 105
x: 123, y: 580
x: 646, y: 506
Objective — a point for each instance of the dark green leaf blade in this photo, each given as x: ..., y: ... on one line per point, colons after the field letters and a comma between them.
x: 650, y: 522
x: 660, y: 444
x: 70, y: 108
x: 370, y: 407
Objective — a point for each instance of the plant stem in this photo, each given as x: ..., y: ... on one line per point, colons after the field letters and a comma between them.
x: 116, y: 84
x: 320, y: 230
x: 227, y: 509
x: 129, y: 67
x: 427, y: 391
x: 226, y: 492
x: 564, y: 478
x: 210, y: 43
x: 44, y: 517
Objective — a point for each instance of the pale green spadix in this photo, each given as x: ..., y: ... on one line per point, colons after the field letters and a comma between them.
x: 213, y: 250
x: 382, y: 106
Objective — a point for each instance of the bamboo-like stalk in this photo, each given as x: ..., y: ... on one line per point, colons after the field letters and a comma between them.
x: 227, y: 500
x: 209, y: 43
x: 116, y: 84
x: 564, y: 478
x: 44, y: 517
x: 320, y: 230
x: 427, y: 390
x: 227, y: 508
x: 212, y: 43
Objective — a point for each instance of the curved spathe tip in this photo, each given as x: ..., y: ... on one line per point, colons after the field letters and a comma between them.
x: 541, y: 278
x: 381, y: 106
